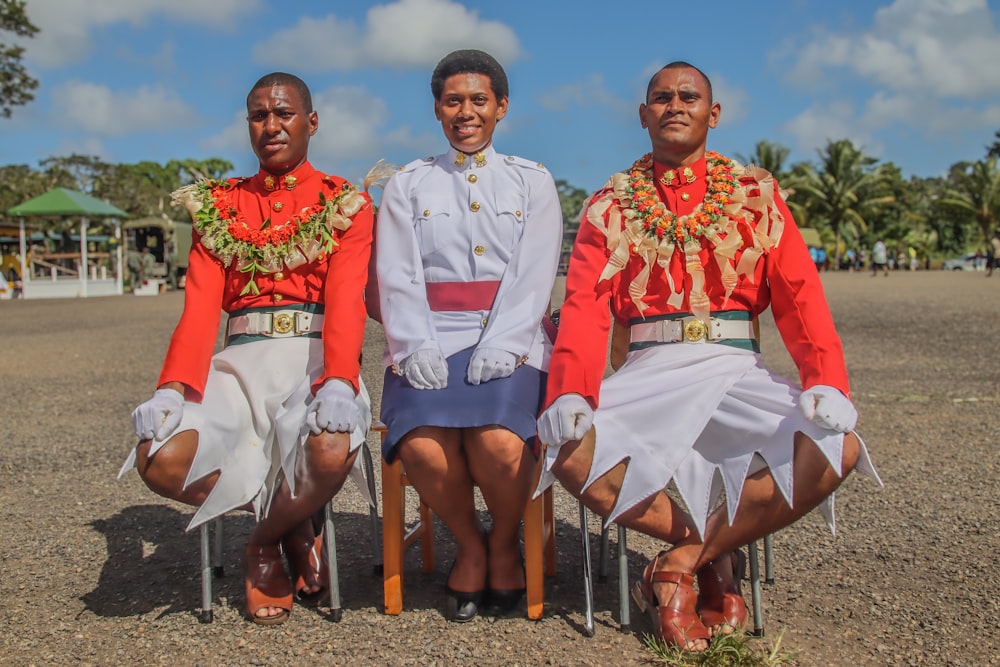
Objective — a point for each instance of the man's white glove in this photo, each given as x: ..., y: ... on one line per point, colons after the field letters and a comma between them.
x: 334, y: 409
x: 490, y: 363
x: 426, y: 369
x: 568, y: 418
x: 159, y: 416
x: 829, y: 408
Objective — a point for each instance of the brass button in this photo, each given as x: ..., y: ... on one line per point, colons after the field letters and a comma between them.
x: 320, y: 257
x: 277, y: 206
x: 427, y: 212
x: 279, y: 276
x: 474, y: 206
x: 473, y: 178
x: 486, y: 321
x: 278, y: 297
x: 517, y: 214
x: 479, y: 250
x: 686, y: 196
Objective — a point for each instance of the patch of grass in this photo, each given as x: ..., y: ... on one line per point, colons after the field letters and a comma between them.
x: 733, y: 650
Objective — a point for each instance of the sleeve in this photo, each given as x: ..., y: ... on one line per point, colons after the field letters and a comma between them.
x: 526, y: 287
x: 345, y: 314
x: 801, y: 311
x: 406, y: 316
x: 580, y: 353
x: 193, y: 341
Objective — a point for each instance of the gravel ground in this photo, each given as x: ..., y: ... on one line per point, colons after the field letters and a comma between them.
x: 97, y: 571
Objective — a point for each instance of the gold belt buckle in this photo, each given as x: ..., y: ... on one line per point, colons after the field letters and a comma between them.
x: 695, y: 330
x: 283, y: 323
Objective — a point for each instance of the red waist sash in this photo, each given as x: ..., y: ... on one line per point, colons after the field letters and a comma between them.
x: 478, y: 295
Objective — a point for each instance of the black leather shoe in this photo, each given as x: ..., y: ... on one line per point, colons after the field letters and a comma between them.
x: 462, y: 606
x: 502, y: 602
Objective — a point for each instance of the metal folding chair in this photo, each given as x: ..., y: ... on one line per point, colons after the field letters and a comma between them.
x: 211, y: 558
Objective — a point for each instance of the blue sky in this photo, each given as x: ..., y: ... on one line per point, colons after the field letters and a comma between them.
x: 916, y: 82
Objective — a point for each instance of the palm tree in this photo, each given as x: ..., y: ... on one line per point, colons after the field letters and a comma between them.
x: 767, y: 155
x: 845, y: 191
x: 974, y: 187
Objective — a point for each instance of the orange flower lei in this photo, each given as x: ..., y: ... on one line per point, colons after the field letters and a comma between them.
x: 659, y: 221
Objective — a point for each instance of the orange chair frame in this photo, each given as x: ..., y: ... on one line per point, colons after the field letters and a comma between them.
x: 539, y: 538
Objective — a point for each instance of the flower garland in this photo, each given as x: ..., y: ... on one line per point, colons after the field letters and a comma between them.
x: 266, y: 249
x: 658, y: 221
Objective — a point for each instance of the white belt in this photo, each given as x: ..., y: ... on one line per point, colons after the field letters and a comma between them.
x: 275, y: 323
x: 691, y: 330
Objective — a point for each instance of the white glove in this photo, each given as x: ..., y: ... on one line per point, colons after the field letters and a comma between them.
x: 568, y: 418
x: 426, y: 369
x: 490, y: 363
x: 158, y: 416
x: 334, y: 409
x: 829, y: 408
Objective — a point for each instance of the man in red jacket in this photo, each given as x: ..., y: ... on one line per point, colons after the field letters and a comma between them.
x: 272, y: 422
x: 687, y: 248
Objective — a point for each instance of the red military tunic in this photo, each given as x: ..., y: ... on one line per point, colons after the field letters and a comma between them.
x: 336, y: 281
x: 784, y: 278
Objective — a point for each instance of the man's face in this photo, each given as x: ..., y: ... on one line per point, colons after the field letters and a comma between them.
x: 280, y: 127
x: 469, y: 111
x: 678, y: 114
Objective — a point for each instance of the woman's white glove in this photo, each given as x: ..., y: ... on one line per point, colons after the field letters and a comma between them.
x: 490, y: 363
x: 827, y: 407
x: 333, y: 409
x: 426, y: 369
x: 159, y: 416
x: 568, y: 418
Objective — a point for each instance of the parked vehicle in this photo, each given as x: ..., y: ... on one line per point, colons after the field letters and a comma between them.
x: 967, y: 262
x: 169, y: 241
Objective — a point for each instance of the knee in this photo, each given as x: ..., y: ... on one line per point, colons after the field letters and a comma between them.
x: 851, y: 453
x: 570, y: 470
x: 164, y: 473
x: 328, y: 455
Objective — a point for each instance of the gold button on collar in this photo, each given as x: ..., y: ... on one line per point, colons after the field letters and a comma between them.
x: 473, y: 178
x: 474, y: 206
x: 277, y: 206
x: 479, y: 250
x: 278, y: 297
x: 279, y: 276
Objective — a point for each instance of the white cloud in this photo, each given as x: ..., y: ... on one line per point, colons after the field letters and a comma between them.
x: 821, y: 124
x: 98, y: 110
x: 935, y: 48
x: 589, y: 93
x: 66, y: 27
x: 405, y: 33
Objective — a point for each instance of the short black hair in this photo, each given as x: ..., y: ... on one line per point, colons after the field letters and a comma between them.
x: 284, y: 79
x: 470, y: 61
x: 680, y: 64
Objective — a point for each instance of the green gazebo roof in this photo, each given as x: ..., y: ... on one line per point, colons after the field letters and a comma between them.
x: 64, y: 202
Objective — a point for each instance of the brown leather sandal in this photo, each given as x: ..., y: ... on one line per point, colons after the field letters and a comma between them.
x: 304, y: 551
x: 267, y: 584
x: 676, y: 621
x: 720, y: 601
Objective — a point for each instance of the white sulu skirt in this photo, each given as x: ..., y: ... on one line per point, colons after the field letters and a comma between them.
x: 704, y: 417
x: 252, y: 424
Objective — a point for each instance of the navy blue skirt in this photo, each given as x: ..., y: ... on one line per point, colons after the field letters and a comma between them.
x: 512, y: 402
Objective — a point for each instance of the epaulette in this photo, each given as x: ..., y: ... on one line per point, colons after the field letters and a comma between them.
x: 521, y: 162
x: 422, y: 162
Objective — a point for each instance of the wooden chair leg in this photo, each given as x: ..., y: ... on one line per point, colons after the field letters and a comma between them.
x: 550, y: 533
x: 393, y: 525
x: 534, y: 550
